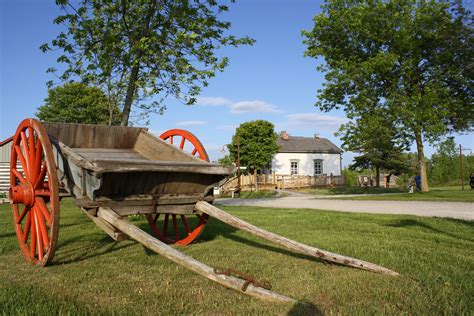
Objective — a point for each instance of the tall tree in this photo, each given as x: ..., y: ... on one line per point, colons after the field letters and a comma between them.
x: 444, y: 164
x: 143, y: 48
x: 412, y: 59
x: 380, y: 142
x: 258, y: 143
x: 78, y: 103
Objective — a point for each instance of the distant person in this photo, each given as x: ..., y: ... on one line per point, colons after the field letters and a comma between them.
x: 418, y: 182
x: 471, y: 181
x: 411, y: 186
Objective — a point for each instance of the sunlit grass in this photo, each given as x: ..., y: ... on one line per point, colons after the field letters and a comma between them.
x: 453, y: 194
x: 93, y: 274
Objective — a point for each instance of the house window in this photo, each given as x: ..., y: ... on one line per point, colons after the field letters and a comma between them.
x: 294, y: 167
x: 318, y: 167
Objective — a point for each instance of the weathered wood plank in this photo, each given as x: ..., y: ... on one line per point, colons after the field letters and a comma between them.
x: 288, y: 243
x: 136, y: 165
x: 155, y: 148
x: 113, y: 232
x: 93, y: 136
x: 192, y: 264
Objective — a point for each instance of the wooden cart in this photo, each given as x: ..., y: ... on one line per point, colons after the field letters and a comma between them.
x: 113, y: 172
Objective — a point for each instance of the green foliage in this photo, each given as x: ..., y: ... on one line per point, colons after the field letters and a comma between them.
x: 445, y: 166
x: 258, y: 143
x: 78, y: 103
x: 410, y: 60
x: 138, y: 49
x: 226, y: 160
x: 385, y: 151
x: 350, y: 176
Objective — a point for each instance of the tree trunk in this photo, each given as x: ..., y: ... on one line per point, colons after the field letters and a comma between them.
x: 377, y: 176
x: 130, y: 93
x: 421, y: 162
x: 131, y: 88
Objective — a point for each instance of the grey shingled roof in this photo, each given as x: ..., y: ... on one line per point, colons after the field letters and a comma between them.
x: 296, y: 144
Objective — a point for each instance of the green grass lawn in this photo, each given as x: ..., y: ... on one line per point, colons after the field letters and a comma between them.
x: 453, y: 193
x: 450, y: 194
x: 350, y: 190
x: 254, y: 194
x: 93, y: 274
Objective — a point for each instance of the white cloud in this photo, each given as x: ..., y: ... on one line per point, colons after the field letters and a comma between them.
x: 213, y: 101
x: 315, y: 121
x: 191, y: 123
x: 239, y: 107
x: 255, y: 106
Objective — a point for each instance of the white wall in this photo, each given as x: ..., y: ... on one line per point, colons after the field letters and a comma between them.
x: 281, y: 163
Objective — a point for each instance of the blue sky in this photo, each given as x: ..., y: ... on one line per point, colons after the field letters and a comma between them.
x: 270, y: 80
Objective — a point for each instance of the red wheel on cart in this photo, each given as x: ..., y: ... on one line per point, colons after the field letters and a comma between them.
x: 34, y: 192
x: 184, y: 230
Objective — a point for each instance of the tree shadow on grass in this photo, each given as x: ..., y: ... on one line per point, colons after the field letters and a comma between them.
x: 217, y: 228
x: 84, y: 251
x: 413, y: 222
x: 304, y: 308
x: 7, y: 235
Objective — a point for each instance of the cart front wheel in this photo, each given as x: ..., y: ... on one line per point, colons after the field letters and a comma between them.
x: 185, y: 229
x: 34, y: 192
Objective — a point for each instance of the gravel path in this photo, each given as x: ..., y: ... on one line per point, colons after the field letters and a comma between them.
x: 459, y: 210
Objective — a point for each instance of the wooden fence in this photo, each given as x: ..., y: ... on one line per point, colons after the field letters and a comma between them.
x: 275, y: 181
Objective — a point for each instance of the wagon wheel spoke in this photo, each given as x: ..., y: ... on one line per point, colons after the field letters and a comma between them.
x: 42, y: 228
x: 26, y: 230
x: 186, y: 224
x: 26, y: 153
x: 175, y: 227
x: 40, y: 178
x: 18, y: 175
x: 43, y: 208
x: 23, y: 213
x: 37, y: 222
x: 22, y: 160
x: 181, y: 145
x: 156, y: 218
x: 32, y: 153
x: 33, y: 236
x: 165, y: 225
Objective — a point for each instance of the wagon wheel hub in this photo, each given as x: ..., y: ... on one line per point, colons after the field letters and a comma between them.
x: 23, y: 194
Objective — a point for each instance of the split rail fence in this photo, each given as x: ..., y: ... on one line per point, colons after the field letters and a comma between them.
x: 275, y: 181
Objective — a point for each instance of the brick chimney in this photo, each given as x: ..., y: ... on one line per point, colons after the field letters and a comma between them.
x: 284, y: 135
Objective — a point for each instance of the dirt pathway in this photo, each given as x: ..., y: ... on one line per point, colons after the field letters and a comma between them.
x: 459, y: 210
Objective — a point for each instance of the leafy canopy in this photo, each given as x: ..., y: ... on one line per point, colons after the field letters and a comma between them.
x: 379, y: 141
x: 78, y: 103
x: 258, y: 143
x: 412, y: 60
x: 138, y: 49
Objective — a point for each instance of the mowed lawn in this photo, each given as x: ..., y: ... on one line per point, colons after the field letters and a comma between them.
x: 93, y: 274
x: 449, y: 194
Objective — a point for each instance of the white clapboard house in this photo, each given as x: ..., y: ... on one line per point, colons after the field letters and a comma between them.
x: 5, y: 152
x: 306, y: 156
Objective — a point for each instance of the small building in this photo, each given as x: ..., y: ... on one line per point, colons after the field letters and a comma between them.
x: 5, y: 152
x: 306, y: 156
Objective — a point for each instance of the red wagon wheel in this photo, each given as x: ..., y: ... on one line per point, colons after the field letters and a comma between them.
x: 183, y: 232
x: 34, y: 192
